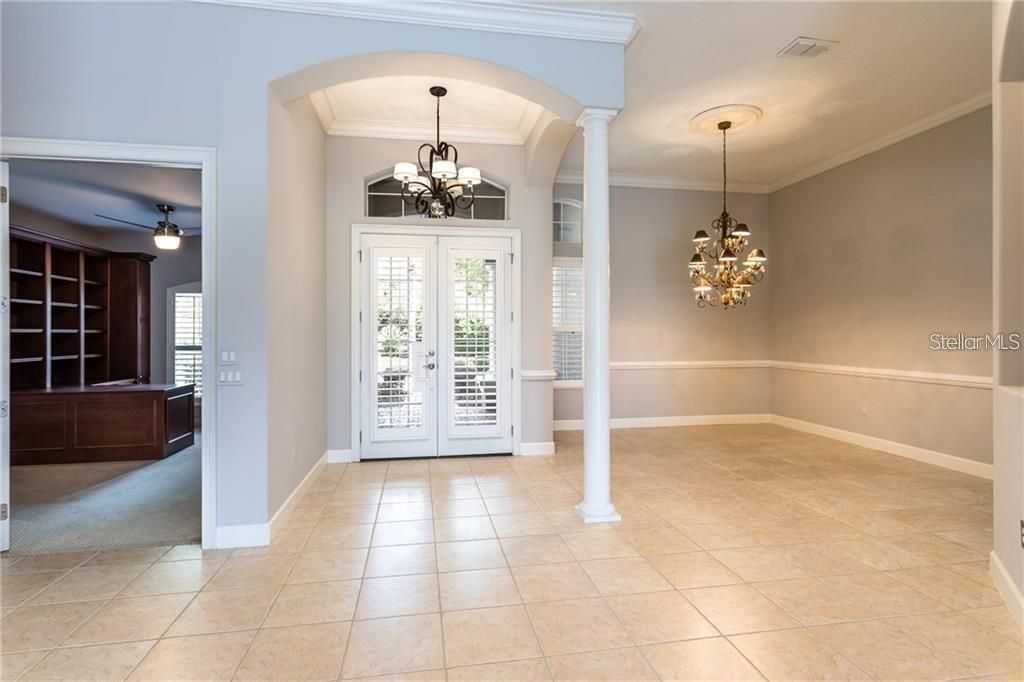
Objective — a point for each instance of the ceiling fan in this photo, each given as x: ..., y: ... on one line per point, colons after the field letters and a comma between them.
x: 166, y: 235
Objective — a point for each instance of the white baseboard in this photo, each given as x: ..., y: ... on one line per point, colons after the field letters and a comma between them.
x: 686, y: 420
x: 1007, y: 589
x: 300, y: 490
x: 538, y: 448
x: 247, y: 535
x: 340, y: 457
x: 260, y: 534
x: 933, y: 457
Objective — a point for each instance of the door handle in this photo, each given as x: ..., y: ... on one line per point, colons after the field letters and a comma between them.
x: 430, y: 365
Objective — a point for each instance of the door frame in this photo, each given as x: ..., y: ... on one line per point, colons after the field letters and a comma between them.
x: 355, y: 281
x: 203, y: 159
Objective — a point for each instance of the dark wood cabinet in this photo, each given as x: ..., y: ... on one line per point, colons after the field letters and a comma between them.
x: 79, y: 314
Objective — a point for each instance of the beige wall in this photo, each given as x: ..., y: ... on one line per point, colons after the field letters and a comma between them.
x: 866, y: 261
x: 170, y: 268
x: 654, y: 317
x: 296, y: 277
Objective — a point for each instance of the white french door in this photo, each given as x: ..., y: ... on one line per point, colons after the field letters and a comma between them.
x: 436, y: 346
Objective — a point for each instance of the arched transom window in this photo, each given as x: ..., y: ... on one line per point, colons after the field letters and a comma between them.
x: 384, y: 200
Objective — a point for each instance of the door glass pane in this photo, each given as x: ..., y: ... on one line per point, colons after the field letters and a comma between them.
x: 399, y: 315
x: 475, y: 344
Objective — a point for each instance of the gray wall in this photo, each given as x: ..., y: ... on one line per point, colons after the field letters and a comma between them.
x: 654, y: 317
x: 296, y: 297
x: 170, y: 268
x: 866, y: 261
x: 89, y: 71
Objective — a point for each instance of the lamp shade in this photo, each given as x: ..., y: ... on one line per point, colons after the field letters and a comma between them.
x: 741, y: 230
x: 697, y: 262
x: 757, y: 256
x: 421, y: 180
x: 405, y: 171
x: 469, y: 176
x: 727, y: 256
x: 443, y: 170
x: 700, y: 236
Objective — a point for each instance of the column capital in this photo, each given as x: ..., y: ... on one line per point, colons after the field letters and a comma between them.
x: 595, y: 115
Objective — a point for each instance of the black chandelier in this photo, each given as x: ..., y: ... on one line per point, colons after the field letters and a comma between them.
x: 726, y: 284
x: 437, y: 186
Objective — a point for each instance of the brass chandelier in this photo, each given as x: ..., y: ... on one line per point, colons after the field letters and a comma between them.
x: 718, y: 275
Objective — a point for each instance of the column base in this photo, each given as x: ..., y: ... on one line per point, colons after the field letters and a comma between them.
x: 607, y: 515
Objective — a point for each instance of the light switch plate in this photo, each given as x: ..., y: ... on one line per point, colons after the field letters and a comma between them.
x: 228, y: 356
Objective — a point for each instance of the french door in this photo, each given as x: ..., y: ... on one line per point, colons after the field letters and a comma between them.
x: 436, y: 351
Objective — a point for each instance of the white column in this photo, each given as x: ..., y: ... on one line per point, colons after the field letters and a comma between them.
x: 596, y: 506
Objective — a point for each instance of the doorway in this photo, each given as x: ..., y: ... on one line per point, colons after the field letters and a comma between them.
x: 437, y: 346
x: 202, y: 160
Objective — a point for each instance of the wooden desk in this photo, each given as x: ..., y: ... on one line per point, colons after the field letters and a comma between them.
x: 101, y: 423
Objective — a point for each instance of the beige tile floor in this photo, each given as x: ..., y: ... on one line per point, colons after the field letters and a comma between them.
x: 745, y: 552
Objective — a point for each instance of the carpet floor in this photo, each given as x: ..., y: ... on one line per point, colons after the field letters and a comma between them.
x: 106, y: 505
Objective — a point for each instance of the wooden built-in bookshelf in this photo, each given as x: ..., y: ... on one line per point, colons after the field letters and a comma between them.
x: 67, y: 302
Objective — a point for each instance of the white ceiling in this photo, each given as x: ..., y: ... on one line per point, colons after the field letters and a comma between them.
x: 77, y: 190
x: 898, y: 67
x: 401, y: 107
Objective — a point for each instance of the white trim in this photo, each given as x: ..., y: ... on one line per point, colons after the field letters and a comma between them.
x: 538, y: 375
x: 498, y: 16
x: 921, y: 125
x: 1008, y: 590
x: 644, y: 181
x: 205, y: 159
x: 355, y: 280
x: 652, y: 422
x: 340, y: 457
x: 244, y: 535
x: 912, y: 376
x: 538, y: 448
x: 933, y: 457
x: 692, y: 364
x: 293, y: 499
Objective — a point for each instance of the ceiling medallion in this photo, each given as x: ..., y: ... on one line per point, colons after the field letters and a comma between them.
x: 437, y: 186
x: 726, y: 284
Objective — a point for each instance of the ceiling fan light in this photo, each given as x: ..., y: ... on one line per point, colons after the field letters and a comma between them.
x: 167, y: 236
x: 469, y: 176
x: 405, y: 171
x: 741, y: 231
x: 700, y: 236
x: 443, y: 170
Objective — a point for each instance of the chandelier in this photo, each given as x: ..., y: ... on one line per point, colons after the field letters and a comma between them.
x: 435, y: 187
x: 716, y: 272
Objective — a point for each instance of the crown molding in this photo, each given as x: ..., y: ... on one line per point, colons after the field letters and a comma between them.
x: 640, y: 180
x: 921, y: 125
x: 498, y: 16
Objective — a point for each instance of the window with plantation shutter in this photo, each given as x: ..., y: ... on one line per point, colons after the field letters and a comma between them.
x: 188, y: 340
x: 567, y: 322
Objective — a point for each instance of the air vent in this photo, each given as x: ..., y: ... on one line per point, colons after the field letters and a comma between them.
x: 803, y: 46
